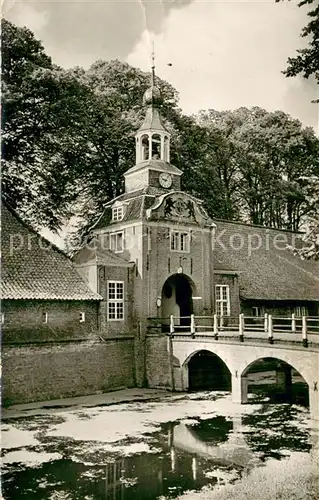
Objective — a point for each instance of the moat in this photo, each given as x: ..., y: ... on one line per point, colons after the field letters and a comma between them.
x: 147, y: 450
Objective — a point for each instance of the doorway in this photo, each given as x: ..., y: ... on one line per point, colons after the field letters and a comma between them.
x: 177, y: 299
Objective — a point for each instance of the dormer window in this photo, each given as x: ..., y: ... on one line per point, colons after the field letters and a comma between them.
x: 117, y: 213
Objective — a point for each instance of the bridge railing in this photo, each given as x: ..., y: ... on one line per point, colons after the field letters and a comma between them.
x: 284, y: 328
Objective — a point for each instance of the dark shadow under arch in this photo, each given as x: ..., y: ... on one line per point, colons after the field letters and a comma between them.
x: 277, y: 380
x: 207, y: 371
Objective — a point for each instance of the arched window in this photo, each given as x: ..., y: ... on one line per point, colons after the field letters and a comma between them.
x: 145, y: 147
x: 156, y: 147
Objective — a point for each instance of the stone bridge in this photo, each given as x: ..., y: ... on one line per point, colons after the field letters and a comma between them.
x: 239, y: 357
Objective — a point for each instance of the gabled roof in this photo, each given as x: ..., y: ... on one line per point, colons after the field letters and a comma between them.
x: 33, y: 268
x: 269, y: 272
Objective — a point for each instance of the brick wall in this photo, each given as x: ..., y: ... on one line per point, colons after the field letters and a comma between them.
x: 158, y: 371
x: 161, y: 263
x: 35, y: 373
x: 23, y: 320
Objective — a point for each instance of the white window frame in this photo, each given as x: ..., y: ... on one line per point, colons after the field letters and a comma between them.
x: 2, y: 318
x: 300, y: 311
x: 116, y: 248
x: 45, y: 318
x: 117, y: 213
x: 180, y: 241
x: 82, y: 317
x: 223, y: 302
x: 257, y: 311
x: 114, y: 301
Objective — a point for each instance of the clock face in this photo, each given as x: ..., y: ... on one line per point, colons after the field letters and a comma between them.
x: 165, y: 180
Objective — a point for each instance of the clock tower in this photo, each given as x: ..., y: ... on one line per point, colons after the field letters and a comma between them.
x: 154, y: 242
x: 152, y: 168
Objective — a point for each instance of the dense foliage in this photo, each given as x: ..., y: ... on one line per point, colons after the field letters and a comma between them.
x: 68, y: 137
x: 306, y: 62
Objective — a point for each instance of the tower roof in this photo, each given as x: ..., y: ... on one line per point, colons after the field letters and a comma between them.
x: 153, y: 100
x: 152, y: 121
x: 152, y: 95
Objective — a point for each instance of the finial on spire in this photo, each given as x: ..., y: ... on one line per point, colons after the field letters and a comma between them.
x: 152, y: 96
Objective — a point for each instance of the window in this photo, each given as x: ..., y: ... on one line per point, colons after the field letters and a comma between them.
x: 82, y: 317
x: 2, y: 318
x: 44, y: 317
x: 115, y: 297
x: 222, y: 300
x: 116, y: 242
x: 300, y: 311
x: 257, y: 311
x: 179, y: 241
x: 117, y: 214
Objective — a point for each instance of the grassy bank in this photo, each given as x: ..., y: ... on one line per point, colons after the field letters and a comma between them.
x: 294, y: 478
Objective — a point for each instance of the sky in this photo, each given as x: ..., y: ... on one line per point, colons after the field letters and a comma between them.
x: 222, y: 54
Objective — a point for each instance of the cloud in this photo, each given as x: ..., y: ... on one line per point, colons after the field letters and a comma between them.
x: 231, y: 54
x: 224, y: 54
x: 25, y: 14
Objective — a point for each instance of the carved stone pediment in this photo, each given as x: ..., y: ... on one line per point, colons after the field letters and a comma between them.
x: 179, y: 207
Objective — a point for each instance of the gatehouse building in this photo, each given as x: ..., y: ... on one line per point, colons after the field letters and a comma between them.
x: 155, y: 264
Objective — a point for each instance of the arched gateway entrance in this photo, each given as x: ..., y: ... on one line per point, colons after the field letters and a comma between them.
x: 177, y: 299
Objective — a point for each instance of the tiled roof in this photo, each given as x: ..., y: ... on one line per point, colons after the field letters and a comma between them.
x: 269, y: 272
x: 136, y: 204
x: 32, y: 268
x: 100, y: 256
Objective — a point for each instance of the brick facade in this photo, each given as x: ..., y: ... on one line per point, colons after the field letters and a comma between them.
x: 158, y: 368
x: 24, y: 320
x: 35, y: 373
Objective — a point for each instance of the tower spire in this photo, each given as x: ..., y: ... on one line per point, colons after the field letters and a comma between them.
x: 152, y: 138
x: 153, y: 66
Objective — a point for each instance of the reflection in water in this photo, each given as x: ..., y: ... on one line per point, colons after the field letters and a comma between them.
x: 114, y: 485
x: 186, y: 456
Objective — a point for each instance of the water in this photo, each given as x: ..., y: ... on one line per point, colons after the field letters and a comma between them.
x: 148, y: 450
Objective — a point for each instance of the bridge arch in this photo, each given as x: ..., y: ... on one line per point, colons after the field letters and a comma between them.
x: 292, y: 361
x: 204, y: 369
x: 239, y: 357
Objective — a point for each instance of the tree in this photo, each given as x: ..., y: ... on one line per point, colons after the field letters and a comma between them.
x: 306, y: 62
x: 267, y: 154
x: 41, y: 117
x: 67, y: 136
